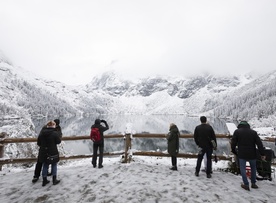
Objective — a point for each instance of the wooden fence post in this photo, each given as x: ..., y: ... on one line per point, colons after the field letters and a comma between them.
x: 127, y: 158
x: 2, y: 147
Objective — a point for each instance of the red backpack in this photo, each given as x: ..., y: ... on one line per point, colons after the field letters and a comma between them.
x: 95, y: 134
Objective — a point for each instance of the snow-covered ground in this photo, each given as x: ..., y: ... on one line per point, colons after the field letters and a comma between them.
x: 146, y: 179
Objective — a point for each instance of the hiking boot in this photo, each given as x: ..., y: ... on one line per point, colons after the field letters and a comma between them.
x: 196, y: 174
x: 45, y: 181
x: 35, y: 179
x: 55, y: 181
x: 204, y: 170
x: 94, y: 165
x: 253, y: 185
x: 100, y: 166
x: 246, y: 187
x: 209, y: 176
x: 174, y: 168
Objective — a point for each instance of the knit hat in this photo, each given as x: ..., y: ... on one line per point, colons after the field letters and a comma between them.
x: 57, y: 121
x: 243, y: 124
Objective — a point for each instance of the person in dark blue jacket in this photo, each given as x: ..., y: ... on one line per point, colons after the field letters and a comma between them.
x: 246, y: 140
x: 99, y: 145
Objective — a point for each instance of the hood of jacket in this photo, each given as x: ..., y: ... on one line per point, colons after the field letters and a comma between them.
x: 243, y: 124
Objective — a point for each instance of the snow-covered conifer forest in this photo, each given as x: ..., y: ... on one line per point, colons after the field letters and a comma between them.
x: 236, y: 97
x: 25, y: 95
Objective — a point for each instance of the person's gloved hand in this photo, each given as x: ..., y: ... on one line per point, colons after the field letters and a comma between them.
x: 103, y: 121
x: 216, y: 158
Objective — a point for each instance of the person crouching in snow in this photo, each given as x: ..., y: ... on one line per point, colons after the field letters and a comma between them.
x: 173, y: 144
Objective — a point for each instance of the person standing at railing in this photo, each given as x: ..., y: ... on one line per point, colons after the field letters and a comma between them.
x: 246, y: 140
x: 48, y: 151
x: 38, y: 165
x: 99, y: 145
x: 204, y: 136
x: 173, y: 145
x: 58, y: 128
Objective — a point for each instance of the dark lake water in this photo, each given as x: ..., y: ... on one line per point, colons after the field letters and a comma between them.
x: 139, y: 123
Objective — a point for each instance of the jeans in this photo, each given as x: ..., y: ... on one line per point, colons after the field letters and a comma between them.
x: 95, y: 154
x: 243, y: 170
x: 45, y: 169
x: 208, y: 152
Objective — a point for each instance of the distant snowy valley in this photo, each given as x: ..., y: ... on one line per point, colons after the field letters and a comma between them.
x: 231, y: 98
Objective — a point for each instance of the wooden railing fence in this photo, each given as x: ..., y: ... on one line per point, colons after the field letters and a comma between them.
x: 4, y: 139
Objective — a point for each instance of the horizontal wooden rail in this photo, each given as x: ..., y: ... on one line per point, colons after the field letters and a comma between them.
x: 87, y: 137
x: 181, y: 155
x: 26, y: 160
x: 34, y: 139
x: 5, y: 140
x: 181, y: 135
x: 159, y: 154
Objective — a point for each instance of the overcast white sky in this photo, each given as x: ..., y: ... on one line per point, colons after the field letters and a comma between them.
x: 72, y: 41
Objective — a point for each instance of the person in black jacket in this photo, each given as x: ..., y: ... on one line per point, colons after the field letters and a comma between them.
x: 58, y: 128
x: 47, y: 141
x: 173, y: 145
x: 204, y: 136
x: 99, y: 144
x: 38, y: 166
x: 246, y: 139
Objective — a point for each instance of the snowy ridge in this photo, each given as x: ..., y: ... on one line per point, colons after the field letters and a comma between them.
x: 160, y: 95
x: 254, y: 101
x: 24, y: 94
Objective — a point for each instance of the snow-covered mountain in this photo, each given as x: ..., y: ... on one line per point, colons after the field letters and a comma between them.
x: 254, y: 101
x: 22, y: 93
x: 163, y: 95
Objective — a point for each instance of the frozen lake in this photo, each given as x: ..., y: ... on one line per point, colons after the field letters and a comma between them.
x: 140, y: 123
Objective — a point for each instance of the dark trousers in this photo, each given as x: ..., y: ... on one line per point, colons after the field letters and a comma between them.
x: 95, y: 154
x: 200, y: 155
x: 38, y: 167
x: 174, y: 160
